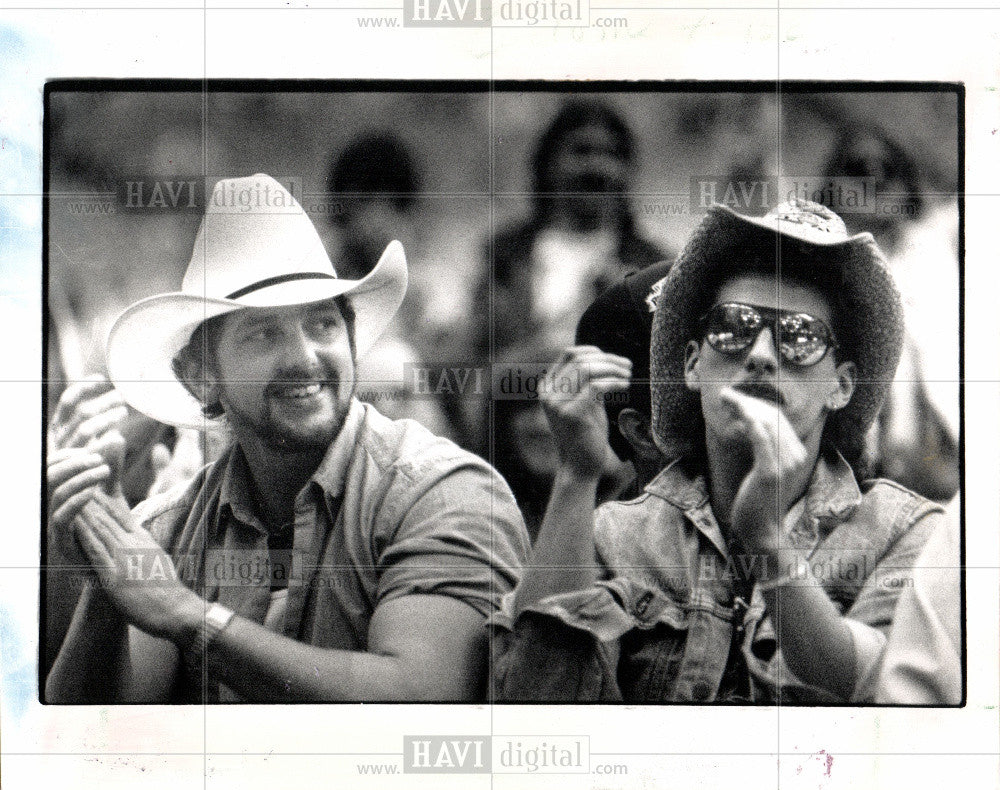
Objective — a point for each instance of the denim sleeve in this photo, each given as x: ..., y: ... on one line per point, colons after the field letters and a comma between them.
x: 868, y: 619
x: 562, y: 649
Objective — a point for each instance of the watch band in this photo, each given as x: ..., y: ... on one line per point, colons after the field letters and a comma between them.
x: 216, y: 618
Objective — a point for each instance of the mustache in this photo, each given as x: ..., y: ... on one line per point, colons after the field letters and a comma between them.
x: 761, y: 388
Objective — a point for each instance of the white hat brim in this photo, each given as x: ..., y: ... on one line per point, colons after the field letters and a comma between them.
x: 146, y: 337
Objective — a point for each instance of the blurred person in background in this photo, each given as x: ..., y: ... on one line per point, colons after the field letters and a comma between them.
x: 581, y: 236
x: 619, y: 322
x: 376, y: 183
x: 916, y: 439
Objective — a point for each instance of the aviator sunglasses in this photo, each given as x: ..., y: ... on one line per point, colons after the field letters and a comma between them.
x: 799, y: 338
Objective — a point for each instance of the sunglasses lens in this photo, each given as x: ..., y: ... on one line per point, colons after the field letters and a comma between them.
x: 804, y: 339
x: 732, y: 327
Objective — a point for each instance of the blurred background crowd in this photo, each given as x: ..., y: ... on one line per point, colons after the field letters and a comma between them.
x: 516, y: 209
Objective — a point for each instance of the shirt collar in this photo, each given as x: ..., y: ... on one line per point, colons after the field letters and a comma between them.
x: 675, y: 484
x: 236, y: 494
x: 831, y: 495
x: 330, y: 474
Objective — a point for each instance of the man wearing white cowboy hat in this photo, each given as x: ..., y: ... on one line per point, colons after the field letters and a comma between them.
x: 756, y: 567
x: 330, y: 553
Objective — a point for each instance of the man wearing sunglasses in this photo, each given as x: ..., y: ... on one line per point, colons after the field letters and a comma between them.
x: 759, y: 565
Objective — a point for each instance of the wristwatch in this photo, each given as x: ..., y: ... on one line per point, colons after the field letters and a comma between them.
x: 216, y: 618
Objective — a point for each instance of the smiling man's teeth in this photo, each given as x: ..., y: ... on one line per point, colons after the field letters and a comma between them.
x: 298, y: 392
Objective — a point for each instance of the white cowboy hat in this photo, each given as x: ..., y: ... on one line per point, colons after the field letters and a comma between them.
x: 256, y: 247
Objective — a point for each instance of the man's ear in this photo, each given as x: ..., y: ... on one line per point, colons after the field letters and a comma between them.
x: 197, y: 377
x: 692, y: 353
x: 847, y: 376
x: 637, y: 431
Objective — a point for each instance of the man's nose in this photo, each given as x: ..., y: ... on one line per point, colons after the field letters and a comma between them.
x: 762, y: 354
x: 299, y: 349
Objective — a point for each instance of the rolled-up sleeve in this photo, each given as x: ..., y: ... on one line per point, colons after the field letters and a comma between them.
x: 553, y: 651
x: 565, y: 648
x: 464, y: 537
x: 868, y: 619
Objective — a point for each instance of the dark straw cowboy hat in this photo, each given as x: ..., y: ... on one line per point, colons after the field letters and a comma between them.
x: 256, y: 247
x: 798, y: 239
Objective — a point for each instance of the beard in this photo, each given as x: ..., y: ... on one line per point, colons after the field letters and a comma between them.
x: 278, y: 435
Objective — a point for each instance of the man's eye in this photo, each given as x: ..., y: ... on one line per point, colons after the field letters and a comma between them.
x: 328, y: 323
x: 260, y: 334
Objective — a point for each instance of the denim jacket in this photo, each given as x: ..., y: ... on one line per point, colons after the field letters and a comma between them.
x: 673, y: 617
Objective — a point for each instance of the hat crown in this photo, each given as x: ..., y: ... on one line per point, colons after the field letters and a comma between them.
x: 804, y: 218
x: 253, y: 231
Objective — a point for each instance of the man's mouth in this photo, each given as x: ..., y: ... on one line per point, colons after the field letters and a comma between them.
x: 762, y: 390
x: 296, y: 390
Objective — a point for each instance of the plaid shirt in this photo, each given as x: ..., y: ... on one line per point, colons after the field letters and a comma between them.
x: 673, y: 617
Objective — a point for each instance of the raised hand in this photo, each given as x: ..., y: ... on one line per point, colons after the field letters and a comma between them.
x: 573, y: 400
x: 87, y: 410
x: 135, y: 573
x: 779, y: 459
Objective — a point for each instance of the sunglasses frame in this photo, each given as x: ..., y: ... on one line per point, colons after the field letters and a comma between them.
x: 770, y: 317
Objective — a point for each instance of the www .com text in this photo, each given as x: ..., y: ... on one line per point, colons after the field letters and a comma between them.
x: 90, y: 207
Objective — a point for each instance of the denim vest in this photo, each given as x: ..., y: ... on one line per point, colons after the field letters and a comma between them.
x: 674, y: 617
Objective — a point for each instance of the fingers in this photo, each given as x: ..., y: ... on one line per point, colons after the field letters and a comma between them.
x: 67, y: 476
x: 92, y: 543
x: 116, y: 508
x: 86, y: 410
x: 586, y: 367
x: 750, y: 409
x: 79, y: 391
x: 594, y: 361
x: 610, y: 384
x: 95, y: 426
x: 111, y: 447
x: 70, y: 507
x: 774, y: 441
x: 63, y: 469
x: 96, y: 519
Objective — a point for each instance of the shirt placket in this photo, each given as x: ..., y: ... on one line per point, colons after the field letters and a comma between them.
x: 306, y: 556
x: 240, y: 571
x: 709, y: 635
